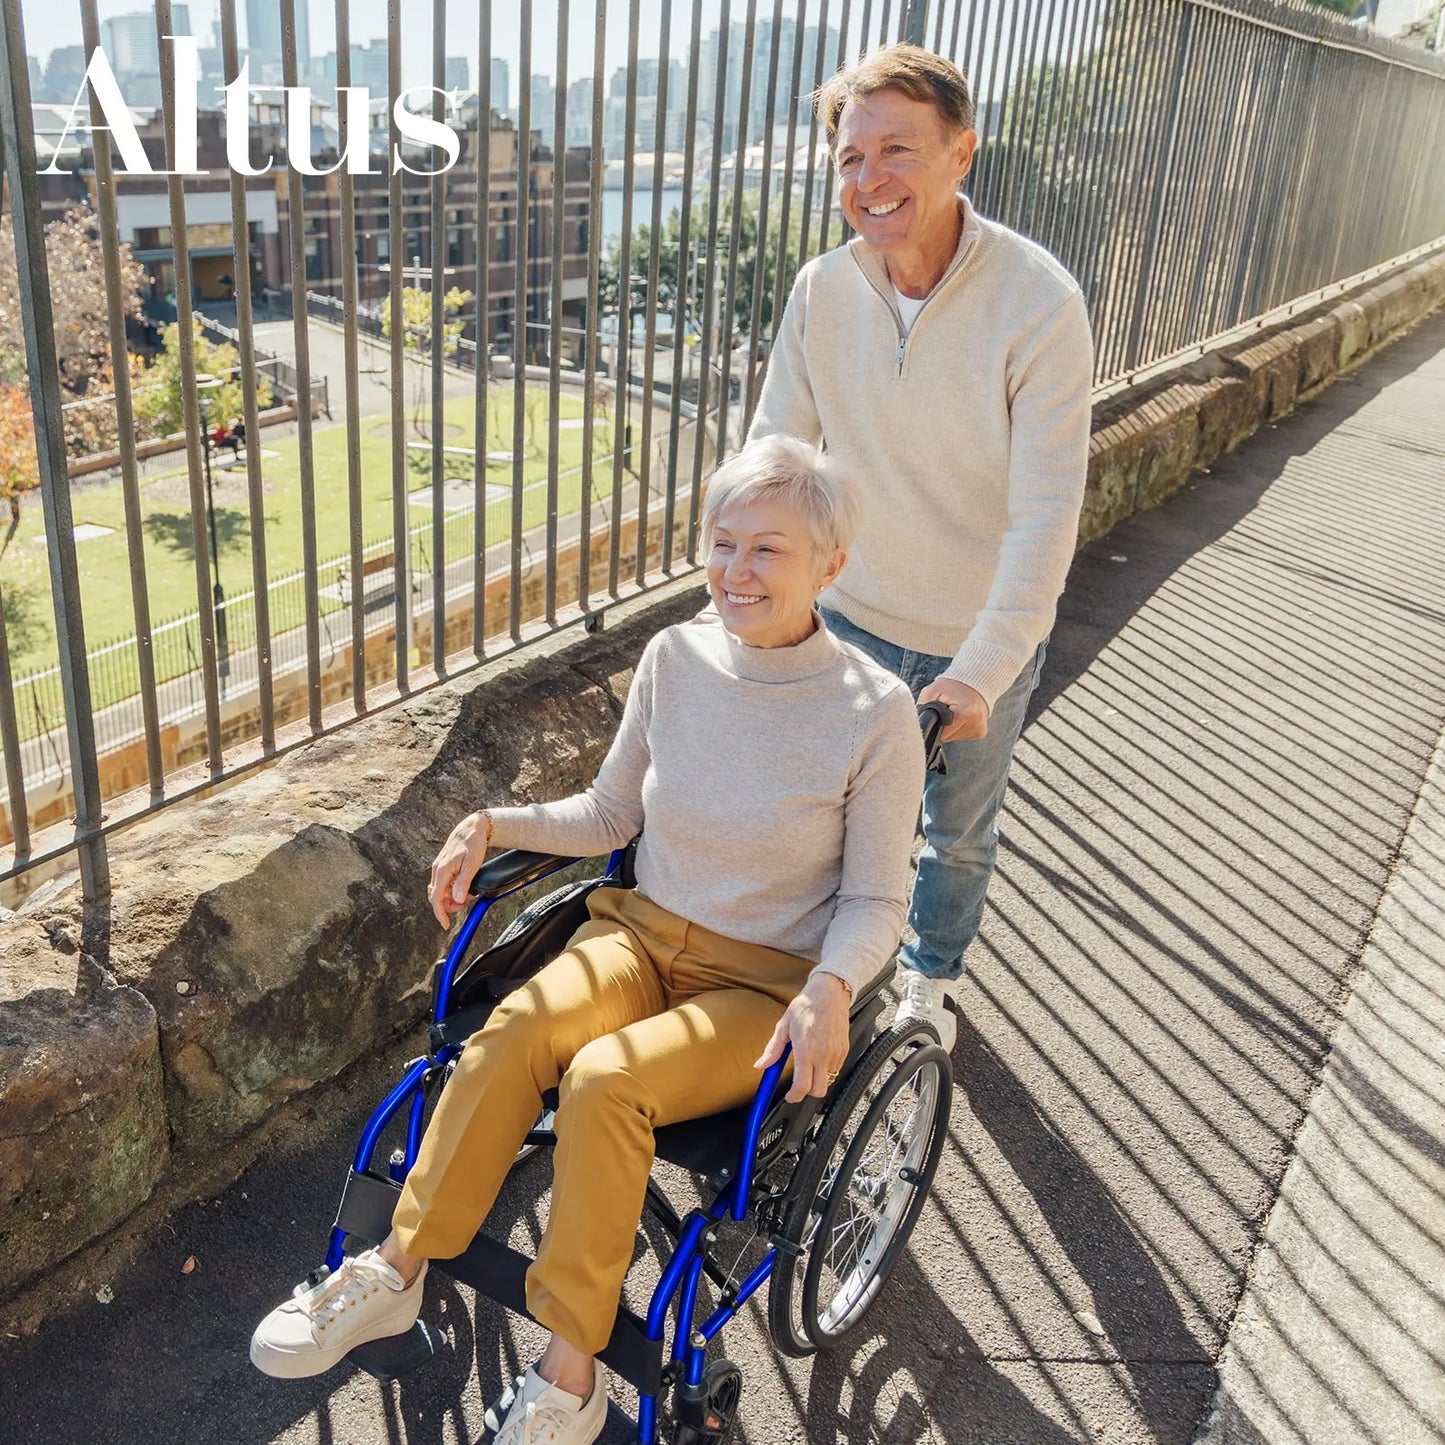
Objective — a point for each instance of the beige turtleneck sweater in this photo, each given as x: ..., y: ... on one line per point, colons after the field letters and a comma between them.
x: 969, y: 435
x: 776, y: 791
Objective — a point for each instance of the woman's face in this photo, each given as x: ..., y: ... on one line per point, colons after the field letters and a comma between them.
x: 764, y: 573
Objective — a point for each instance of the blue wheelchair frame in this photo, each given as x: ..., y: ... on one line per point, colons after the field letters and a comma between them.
x: 683, y: 1274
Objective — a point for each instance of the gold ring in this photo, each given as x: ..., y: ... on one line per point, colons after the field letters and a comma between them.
x: 833, y: 1077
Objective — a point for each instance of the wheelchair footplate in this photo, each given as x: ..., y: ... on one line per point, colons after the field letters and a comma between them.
x: 397, y: 1355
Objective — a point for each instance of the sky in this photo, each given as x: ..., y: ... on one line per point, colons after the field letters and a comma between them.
x: 49, y: 23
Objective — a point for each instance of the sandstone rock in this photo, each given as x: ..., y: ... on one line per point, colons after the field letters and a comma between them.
x: 82, y: 1125
x: 1354, y: 332
x: 1319, y: 350
x: 1270, y: 368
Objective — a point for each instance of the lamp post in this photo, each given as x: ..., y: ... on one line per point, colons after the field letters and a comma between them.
x: 205, y: 386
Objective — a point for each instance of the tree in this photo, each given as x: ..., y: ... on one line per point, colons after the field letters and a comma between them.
x: 158, y: 395
x: 677, y: 291
x: 77, y: 297
x: 19, y: 466
x: 416, y: 321
x: 91, y: 422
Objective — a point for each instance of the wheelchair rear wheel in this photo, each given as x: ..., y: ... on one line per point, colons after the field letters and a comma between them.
x: 861, y: 1184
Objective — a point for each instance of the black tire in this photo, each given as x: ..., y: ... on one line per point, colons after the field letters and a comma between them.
x: 904, y: 1068
x: 722, y: 1390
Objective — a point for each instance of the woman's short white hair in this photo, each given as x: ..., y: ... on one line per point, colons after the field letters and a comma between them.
x: 796, y: 473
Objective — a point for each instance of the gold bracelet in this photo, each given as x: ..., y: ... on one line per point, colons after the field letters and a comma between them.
x: 491, y: 827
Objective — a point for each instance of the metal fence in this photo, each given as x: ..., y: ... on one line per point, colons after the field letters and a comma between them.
x: 1196, y: 164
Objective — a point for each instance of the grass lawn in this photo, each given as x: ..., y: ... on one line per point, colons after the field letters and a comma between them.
x: 170, y: 566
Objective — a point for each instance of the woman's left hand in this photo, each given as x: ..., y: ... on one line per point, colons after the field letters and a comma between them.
x: 816, y: 1024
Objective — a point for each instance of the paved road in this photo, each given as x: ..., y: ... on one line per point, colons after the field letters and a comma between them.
x: 1243, y: 694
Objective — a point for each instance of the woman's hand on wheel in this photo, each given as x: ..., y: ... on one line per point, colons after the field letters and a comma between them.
x: 456, y: 865
x: 816, y: 1024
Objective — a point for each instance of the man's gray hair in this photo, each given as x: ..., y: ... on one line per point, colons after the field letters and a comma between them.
x: 784, y: 469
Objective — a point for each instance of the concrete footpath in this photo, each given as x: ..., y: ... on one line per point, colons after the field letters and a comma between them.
x: 1210, y: 968
x: 1341, y: 1332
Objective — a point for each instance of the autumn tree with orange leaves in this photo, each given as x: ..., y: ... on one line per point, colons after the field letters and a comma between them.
x: 19, y: 467
x: 77, y: 297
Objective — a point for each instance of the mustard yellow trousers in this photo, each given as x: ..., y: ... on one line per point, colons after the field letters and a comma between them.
x: 645, y: 1019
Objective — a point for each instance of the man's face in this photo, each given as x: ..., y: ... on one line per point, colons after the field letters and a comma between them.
x: 898, y: 171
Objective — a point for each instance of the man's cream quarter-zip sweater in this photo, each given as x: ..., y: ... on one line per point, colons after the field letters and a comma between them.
x: 969, y: 437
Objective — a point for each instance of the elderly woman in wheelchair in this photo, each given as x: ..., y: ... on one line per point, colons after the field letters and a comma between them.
x: 771, y: 777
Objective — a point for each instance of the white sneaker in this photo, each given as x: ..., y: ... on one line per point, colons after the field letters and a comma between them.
x: 543, y: 1414
x: 365, y: 1299
x: 925, y: 1001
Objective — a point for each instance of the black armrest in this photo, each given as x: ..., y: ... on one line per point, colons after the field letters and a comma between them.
x: 515, y: 869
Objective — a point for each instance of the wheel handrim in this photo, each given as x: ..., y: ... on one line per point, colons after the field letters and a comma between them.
x: 877, y: 1198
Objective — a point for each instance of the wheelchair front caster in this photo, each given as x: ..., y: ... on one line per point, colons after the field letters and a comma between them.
x: 705, y: 1412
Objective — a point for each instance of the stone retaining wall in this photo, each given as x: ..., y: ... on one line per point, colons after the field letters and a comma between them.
x: 260, y: 941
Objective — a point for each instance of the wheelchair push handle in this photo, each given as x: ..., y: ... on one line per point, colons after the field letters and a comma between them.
x: 933, y: 717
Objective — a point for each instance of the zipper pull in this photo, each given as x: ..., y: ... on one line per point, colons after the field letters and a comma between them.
x: 898, y: 355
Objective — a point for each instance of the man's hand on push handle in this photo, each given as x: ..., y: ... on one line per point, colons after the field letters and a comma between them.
x: 970, y: 711
x: 456, y: 865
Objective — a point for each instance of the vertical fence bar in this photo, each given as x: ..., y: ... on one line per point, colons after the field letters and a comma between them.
x: 1012, y: 105
x: 719, y: 114
x: 438, y: 268
x: 250, y: 409
x: 987, y: 158
x: 554, y: 338
x: 622, y: 461
x: 760, y: 267
x: 301, y: 339
x: 654, y: 260
x: 124, y: 416
x: 349, y: 304
x: 727, y: 319
x: 805, y: 244
x: 17, y: 805
x: 1142, y: 293
x: 17, y: 140
x: 594, y: 320
x: 521, y: 265
x: 913, y: 22
x: 483, y: 312
x: 828, y: 168
x: 1192, y: 214
x: 785, y: 217
x: 210, y: 617
x: 396, y: 276
x: 684, y: 297
x: 1061, y: 133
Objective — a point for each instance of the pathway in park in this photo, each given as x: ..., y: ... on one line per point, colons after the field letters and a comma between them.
x: 1244, y: 694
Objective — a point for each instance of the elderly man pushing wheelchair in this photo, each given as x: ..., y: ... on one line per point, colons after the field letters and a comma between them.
x: 944, y: 363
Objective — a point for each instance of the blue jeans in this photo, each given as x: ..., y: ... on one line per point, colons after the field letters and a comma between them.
x: 960, y: 808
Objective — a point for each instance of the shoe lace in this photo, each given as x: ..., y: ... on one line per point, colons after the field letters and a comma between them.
x: 526, y: 1428
x: 918, y: 991
x: 325, y: 1300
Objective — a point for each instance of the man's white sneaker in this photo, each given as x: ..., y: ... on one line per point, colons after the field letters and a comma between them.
x: 924, y: 1000
x: 365, y: 1299
x: 543, y: 1414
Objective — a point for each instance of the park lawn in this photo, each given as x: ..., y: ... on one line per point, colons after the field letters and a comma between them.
x: 166, y: 519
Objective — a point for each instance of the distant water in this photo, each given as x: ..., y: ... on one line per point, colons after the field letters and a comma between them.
x: 641, y: 209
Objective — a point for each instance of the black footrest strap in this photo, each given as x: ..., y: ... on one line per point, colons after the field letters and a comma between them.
x: 500, y: 1272
x: 493, y: 1269
x: 367, y: 1203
